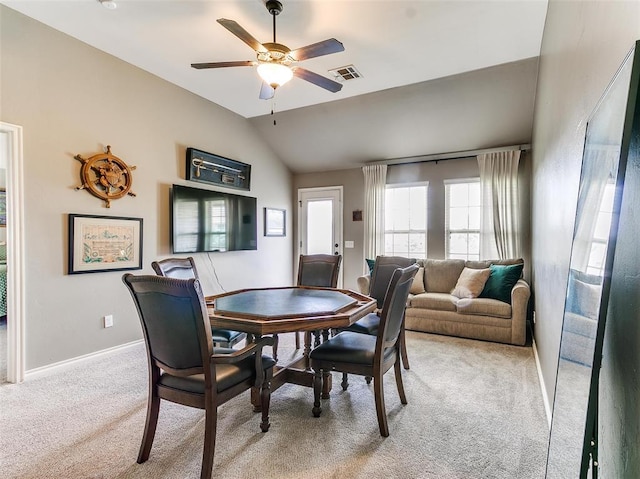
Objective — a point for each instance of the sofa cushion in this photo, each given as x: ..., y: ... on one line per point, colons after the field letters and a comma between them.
x: 417, y: 286
x: 471, y: 282
x: 501, y: 281
x: 441, y: 275
x: 438, y: 301
x: 484, y: 307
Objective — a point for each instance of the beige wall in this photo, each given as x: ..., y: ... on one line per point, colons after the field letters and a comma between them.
x: 71, y: 98
x: 584, y: 43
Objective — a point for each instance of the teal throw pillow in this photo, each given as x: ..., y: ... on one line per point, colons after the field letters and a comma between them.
x: 370, y: 263
x: 501, y: 281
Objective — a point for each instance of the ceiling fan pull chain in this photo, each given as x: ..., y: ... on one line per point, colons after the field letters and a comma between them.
x: 273, y: 109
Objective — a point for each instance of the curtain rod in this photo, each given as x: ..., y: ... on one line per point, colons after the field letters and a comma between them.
x: 446, y: 156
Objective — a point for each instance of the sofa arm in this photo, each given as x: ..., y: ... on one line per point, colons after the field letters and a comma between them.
x: 363, y: 284
x: 519, y: 303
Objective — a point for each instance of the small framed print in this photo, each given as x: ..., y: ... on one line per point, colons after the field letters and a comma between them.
x: 104, y: 243
x: 275, y: 221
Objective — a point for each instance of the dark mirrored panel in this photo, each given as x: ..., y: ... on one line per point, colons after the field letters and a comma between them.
x: 596, y: 208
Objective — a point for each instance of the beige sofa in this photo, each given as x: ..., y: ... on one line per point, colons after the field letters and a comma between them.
x: 432, y: 308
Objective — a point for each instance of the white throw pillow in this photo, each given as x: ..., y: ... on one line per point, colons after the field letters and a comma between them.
x: 417, y: 286
x: 471, y: 283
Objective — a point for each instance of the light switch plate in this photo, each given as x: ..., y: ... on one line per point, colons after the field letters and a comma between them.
x: 348, y: 244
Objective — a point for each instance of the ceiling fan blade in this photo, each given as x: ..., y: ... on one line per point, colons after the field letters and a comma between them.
x: 318, y: 80
x: 242, y: 34
x: 266, y: 91
x: 317, y: 49
x: 201, y: 66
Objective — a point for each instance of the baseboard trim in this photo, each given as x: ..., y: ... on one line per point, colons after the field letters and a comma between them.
x: 54, y: 367
x: 543, y: 388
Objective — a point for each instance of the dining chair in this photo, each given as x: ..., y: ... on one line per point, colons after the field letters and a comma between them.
x: 185, y: 268
x: 184, y: 367
x: 383, y: 270
x: 366, y: 354
x: 320, y: 270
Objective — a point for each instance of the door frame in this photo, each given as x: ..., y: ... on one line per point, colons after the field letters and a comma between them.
x: 15, y: 254
x: 339, y: 220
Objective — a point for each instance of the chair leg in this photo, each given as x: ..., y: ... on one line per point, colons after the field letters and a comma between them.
x: 153, y: 409
x: 398, y: 372
x: 368, y: 379
x: 297, y: 340
x: 403, y: 347
x: 265, y: 399
x: 345, y: 381
x: 317, y: 389
x: 275, y: 347
x: 210, y: 425
x: 380, y: 409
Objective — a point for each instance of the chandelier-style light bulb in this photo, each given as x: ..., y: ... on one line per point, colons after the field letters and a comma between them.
x: 275, y: 74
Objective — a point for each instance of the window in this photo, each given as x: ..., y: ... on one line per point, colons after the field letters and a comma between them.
x: 462, y: 219
x: 405, y: 220
x: 600, y: 237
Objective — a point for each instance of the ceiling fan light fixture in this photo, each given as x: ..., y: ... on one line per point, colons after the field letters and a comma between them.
x: 108, y: 4
x: 275, y: 74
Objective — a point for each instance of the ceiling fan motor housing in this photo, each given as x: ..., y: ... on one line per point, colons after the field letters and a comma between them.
x: 274, y: 7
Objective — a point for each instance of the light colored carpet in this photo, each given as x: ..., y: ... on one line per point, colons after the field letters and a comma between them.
x: 475, y: 411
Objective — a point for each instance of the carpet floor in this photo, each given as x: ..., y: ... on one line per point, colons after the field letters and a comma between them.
x: 475, y: 411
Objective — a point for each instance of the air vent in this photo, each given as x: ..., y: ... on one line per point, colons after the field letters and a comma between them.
x: 345, y: 73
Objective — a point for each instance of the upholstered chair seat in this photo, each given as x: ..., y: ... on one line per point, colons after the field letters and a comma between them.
x: 349, y: 347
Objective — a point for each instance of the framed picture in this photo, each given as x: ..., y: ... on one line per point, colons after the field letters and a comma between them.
x: 3, y: 207
x: 104, y: 243
x: 275, y: 221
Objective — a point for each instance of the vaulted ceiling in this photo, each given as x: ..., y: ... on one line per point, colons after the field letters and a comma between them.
x: 402, y: 49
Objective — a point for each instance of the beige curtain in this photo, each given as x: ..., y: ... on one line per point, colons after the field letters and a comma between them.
x: 375, y: 179
x: 500, y: 222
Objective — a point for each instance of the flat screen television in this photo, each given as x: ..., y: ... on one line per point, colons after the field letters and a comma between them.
x: 205, y: 220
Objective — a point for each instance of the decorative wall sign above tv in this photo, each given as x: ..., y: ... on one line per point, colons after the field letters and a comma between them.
x: 106, y: 176
x: 217, y: 170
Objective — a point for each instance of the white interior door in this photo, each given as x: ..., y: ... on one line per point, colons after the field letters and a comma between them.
x: 320, y: 221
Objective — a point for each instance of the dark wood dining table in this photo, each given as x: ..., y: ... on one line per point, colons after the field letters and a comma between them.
x: 273, y: 311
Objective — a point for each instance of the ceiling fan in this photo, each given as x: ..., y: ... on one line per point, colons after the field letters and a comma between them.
x: 276, y: 63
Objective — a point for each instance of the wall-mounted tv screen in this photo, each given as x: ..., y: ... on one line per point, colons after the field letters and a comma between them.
x: 205, y: 220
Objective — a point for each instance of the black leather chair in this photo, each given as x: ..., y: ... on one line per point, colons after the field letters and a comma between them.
x: 365, y: 354
x: 320, y: 270
x: 185, y: 268
x: 184, y: 367
x: 383, y: 270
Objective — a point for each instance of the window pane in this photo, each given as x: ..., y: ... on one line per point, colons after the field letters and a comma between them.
x: 458, y: 243
x: 474, y: 193
x: 474, y: 218
x: 458, y: 219
x: 474, y: 244
x: 458, y: 194
x: 319, y: 227
x: 417, y: 246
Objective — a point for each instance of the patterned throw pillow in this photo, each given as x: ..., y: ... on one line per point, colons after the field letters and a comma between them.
x: 471, y: 282
x: 501, y: 281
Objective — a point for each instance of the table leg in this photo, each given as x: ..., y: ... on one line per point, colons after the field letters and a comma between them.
x: 307, y: 350
x: 326, y: 384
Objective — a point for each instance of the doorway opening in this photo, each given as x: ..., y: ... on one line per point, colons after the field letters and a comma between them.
x: 12, y: 157
x: 320, y: 221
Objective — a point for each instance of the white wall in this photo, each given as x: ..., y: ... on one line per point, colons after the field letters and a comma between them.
x: 73, y: 99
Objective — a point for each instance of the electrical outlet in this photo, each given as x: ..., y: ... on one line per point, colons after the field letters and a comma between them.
x: 108, y: 321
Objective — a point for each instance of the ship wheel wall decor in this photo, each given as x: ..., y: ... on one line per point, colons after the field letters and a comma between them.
x: 106, y: 176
